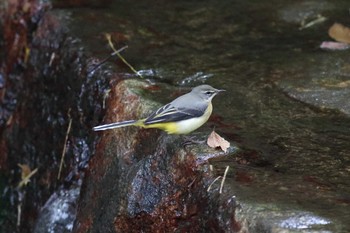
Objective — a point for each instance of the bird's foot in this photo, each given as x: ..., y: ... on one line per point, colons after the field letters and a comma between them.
x: 190, y: 140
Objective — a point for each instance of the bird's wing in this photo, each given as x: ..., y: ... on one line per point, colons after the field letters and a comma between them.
x: 169, y: 113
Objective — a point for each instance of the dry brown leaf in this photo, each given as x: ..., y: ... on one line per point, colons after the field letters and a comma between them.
x: 339, y: 33
x: 215, y: 140
x: 26, y: 174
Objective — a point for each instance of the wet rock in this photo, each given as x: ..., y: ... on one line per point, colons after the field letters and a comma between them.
x: 145, y: 181
x: 323, y: 97
x: 324, y: 85
x: 44, y: 86
x: 58, y: 214
x: 273, y: 218
x: 297, y: 12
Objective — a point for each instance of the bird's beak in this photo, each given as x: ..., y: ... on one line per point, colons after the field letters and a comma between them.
x: 220, y: 90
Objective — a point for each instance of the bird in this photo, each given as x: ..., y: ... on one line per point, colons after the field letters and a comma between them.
x: 183, y: 115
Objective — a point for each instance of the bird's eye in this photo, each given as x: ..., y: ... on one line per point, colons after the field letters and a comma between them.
x: 208, y: 93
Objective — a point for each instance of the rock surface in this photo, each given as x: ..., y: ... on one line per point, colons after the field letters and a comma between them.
x: 144, y: 181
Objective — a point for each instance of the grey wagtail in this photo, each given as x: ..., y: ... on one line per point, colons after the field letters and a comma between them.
x: 181, y: 116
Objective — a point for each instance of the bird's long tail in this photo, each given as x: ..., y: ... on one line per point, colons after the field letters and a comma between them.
x: 115, y: 125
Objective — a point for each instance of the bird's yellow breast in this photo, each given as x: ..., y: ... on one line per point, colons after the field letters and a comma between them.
x: 184, y: 126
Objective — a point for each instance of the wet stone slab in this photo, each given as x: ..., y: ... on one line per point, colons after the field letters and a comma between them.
x: 321, y: 81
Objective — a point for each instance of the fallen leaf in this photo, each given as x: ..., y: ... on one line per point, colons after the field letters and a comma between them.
x: 26, y: 174
x: 215, y: 140
x: 339, y: 33
x: 331, y: 45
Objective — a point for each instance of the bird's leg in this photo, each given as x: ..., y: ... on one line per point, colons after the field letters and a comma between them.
x: 190, y: 140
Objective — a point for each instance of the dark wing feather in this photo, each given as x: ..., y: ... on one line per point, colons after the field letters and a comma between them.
x: 169, y: 113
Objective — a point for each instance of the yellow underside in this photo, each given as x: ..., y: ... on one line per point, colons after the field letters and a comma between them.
x: 169, y: 127
x: 183, y: 127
